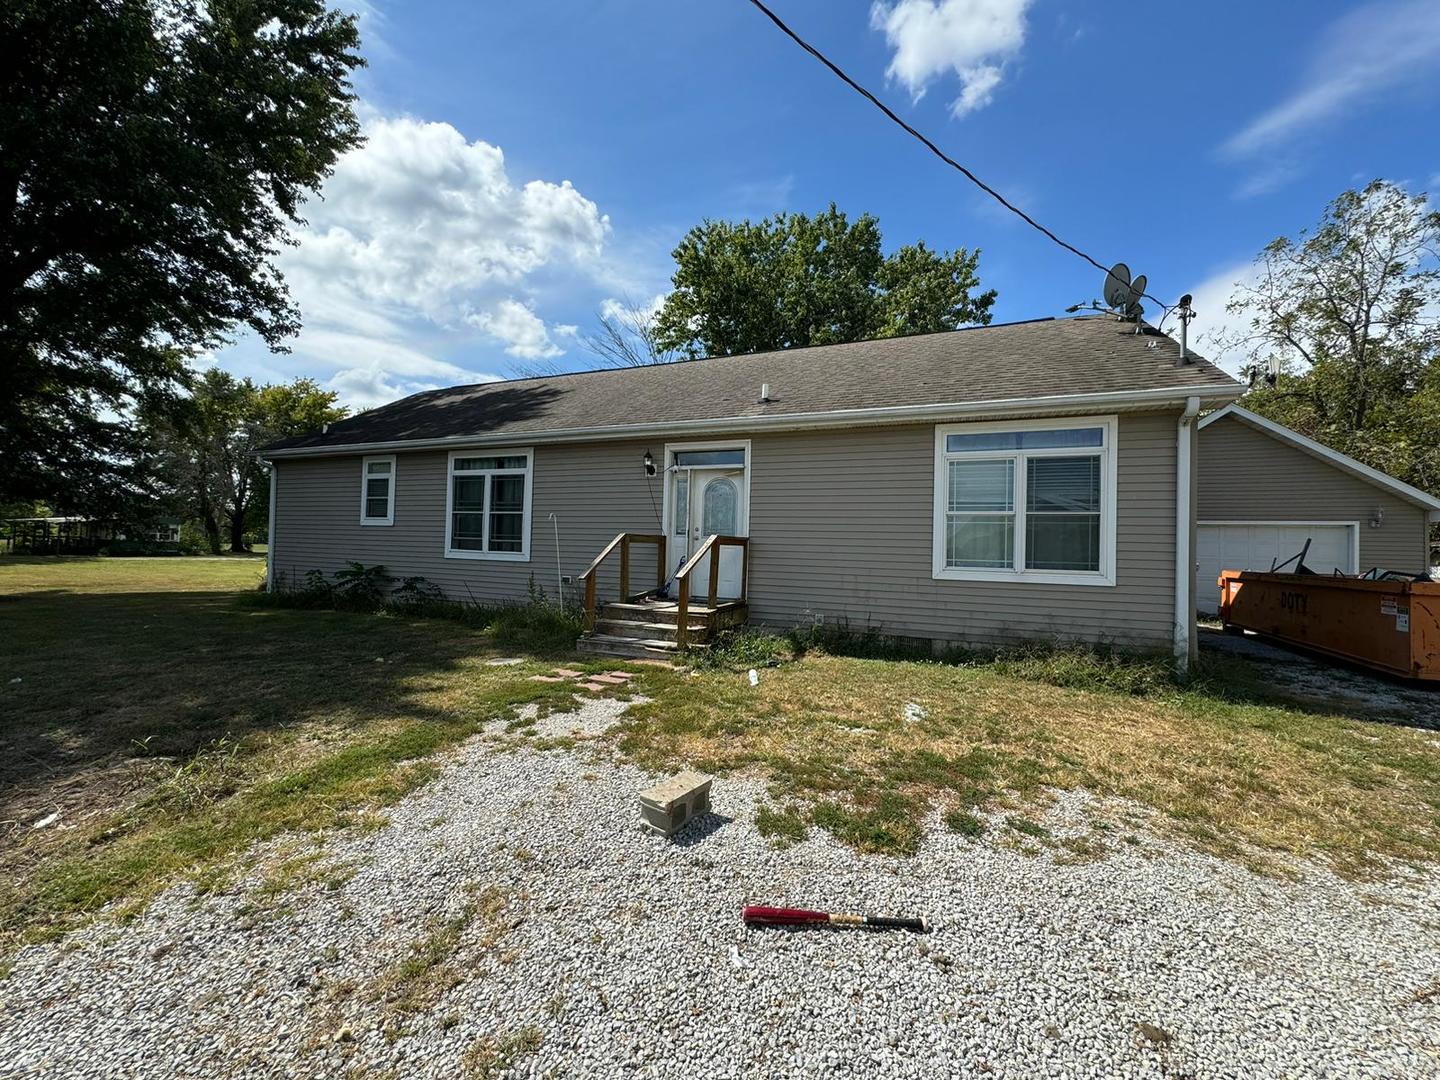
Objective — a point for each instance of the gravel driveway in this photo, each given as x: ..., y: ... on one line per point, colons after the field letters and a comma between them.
x: 1320, y: 681
x: 579, y: 946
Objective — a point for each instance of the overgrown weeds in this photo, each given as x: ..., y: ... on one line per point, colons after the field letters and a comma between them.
x: 1078, y: 667
x: 744, y: 647
x: 498, y: 1055
x: 537, y: 625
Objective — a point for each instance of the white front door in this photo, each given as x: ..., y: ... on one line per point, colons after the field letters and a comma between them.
x: 707, y: 498
x: 1259, y: 545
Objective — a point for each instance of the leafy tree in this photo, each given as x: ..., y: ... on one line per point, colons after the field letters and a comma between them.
x: 793, y: 280
x: 204, y: 450
x: 1347, y: 315
x: 152, y: 156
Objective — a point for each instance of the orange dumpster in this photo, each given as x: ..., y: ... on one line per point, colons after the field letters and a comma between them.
x: 1391, y: 626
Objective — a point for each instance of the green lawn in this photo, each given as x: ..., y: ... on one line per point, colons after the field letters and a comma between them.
x: 171, y: 725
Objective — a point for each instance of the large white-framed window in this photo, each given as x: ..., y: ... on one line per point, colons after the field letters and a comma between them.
x: 487, y: 504
x: 377, y: 490
x: 1026, y: 501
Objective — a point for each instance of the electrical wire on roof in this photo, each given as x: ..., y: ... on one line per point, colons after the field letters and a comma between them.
x: 1006, y: 203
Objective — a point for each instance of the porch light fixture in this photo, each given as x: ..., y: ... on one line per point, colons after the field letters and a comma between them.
x: 1377, y: 518
x: 649, y: 464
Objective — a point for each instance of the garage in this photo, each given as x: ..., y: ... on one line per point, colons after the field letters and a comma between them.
x: 1259, y: 545
x: 1263, y: 488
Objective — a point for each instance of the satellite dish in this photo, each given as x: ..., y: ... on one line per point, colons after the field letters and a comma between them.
x: 1122, y: 294
x: 1117, y: 286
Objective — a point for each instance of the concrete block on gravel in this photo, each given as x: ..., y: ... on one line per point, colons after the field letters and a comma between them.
x: 671, y: 804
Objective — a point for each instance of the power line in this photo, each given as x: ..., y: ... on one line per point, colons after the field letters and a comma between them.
x: 946, y: 158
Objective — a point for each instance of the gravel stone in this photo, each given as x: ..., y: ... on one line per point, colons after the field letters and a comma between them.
x: 625, y: 952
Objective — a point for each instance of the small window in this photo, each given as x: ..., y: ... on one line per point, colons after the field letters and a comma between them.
x: 1025, y: 440
x: 693, y: 459
x: 488, y: 506
x: 681, y: 513
x: 1026, y: 502
x: 721, y: 501
x: 377, y: 491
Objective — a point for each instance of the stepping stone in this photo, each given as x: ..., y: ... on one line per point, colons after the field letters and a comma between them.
x: 620, y: 674
x: 608, y: 680
x: 546, y: 678
x: 504, y: 661
x: 593, y: 687
x: 567, y: 673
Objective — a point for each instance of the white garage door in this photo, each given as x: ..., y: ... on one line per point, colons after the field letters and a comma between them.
x: 1258, y: 546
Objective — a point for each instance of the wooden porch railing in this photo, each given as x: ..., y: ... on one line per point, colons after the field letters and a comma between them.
x: 711, y: 546
x: 623, y: 542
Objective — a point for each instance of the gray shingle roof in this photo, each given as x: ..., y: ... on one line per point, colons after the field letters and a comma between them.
x: 1050, y: 357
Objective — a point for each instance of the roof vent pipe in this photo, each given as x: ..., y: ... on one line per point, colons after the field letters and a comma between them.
x: 1186, y: 313
x: 764, y: 392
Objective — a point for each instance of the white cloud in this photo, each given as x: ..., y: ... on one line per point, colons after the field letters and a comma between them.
x: 418, y: 246
x: 971, y: 38
x: 419, y: 217
x: 340, y: 348
x: 520, y: 329
x: 1371, y: 50
x: 1272, y: 176
x: 366, y: 387
x: 612, y: 308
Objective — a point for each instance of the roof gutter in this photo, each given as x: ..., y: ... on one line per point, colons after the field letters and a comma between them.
x: 1213, y: 394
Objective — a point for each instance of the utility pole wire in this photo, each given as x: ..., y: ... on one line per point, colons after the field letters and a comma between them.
x: 835, y: 68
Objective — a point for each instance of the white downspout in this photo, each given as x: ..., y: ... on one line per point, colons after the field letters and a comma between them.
x: 270, y: 534
x: 1184, y: 557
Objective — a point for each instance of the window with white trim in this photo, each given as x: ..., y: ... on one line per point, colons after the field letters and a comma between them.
x: 488, y: 505
x: 1026, y: 501
x: 377, y: 490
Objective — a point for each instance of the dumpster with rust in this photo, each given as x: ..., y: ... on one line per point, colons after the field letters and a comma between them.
x: 1391, y: 626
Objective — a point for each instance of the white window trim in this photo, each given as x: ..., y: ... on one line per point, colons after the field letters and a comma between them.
x: 523, y: 555
x: 389, y: 518
x: 1109, y: 473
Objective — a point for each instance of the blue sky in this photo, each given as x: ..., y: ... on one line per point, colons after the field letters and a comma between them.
x: 528, y: 163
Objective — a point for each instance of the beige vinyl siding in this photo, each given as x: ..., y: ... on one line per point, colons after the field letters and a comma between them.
x: 595, y: 490
x: 840, y: 525
x: 1247, y: 475
x: 841, y: 528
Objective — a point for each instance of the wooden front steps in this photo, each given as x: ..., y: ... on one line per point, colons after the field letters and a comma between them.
x: 652, y: 624
x: 648, y: 626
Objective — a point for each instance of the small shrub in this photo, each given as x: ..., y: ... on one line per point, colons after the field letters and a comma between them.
x: 192, y: 539
x: 362, y: 586
x: 416, y: 592
x: 746, y: 647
